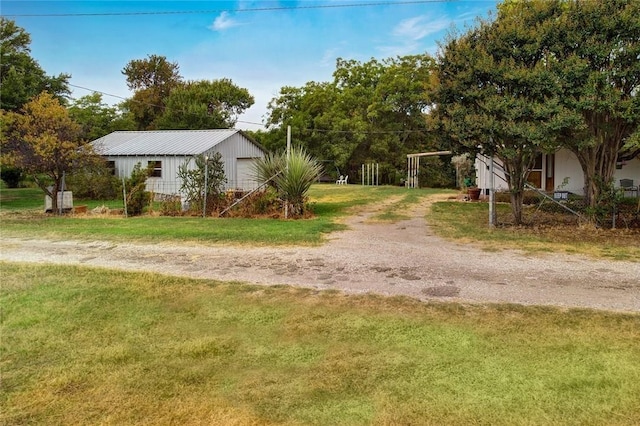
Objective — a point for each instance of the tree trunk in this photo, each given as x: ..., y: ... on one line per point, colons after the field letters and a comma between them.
x: 517, y: 170
x: 516, y: 206
x: 598, y: 162
x: 53, y: 193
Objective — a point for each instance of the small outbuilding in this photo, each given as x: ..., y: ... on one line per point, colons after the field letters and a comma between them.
x: 167, y: 150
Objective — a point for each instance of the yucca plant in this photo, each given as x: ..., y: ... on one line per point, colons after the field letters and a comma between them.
x: 291, y: 177
x: 265, y: 169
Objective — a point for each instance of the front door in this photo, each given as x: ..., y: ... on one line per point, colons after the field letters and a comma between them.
x: 541, y: 174
x: 535, y: 175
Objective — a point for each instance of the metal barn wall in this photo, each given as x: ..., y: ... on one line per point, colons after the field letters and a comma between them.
x: 169, y: 183
x: 231, y: 149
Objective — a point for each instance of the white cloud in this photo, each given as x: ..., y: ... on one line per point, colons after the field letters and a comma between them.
x: 409, y: 35
x: 419, y: 27
x: 223, y: 22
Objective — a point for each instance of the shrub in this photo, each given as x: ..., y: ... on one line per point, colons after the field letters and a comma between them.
x: 137, y: 195
x: 94, y: 181
x: 11, y: 176
x: 171, y: 206
x: 260, y: 203
x: 292, y: 177
x: 193, y: 182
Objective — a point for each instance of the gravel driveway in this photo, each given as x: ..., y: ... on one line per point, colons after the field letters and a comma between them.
x: 403, y: 258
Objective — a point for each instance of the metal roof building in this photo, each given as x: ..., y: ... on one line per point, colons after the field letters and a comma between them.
x: 166, y: 150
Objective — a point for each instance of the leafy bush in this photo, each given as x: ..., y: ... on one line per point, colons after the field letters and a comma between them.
x: 193, y: 182
x: 137, y: 195
x: 258, y: 204
x: 11, y: 176
x: 94, y: 181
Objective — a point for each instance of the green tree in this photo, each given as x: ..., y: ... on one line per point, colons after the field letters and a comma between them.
x: 45, y: 142
x: 21, y: 77
x: 152, y: 79
x: 371, y: 112
x: 97, y: 118
x: 497, y: 94
x: 204, y: 105
x: 596, y: 51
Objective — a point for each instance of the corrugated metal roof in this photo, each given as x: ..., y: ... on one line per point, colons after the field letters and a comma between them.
x: 161, y: 142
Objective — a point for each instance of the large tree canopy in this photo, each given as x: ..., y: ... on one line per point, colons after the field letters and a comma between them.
x: 371, y: 112
x: 21, y: 77
x: 97, y: 119
x: 152, y: 79
x: 541, y: 75
x: 162, y: 100
x: 595, y: 46
x: 204, y: 105
x: 497, y: 94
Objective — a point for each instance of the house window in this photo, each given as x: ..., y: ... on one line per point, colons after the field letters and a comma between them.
x: 111, y: 166
x: 155, y: 168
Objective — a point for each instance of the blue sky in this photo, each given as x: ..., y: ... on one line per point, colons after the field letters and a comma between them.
x: 260, y: 50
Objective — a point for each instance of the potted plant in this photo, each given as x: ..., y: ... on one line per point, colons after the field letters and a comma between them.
x: 472, y: 190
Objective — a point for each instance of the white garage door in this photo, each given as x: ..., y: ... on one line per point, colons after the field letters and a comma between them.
x: 244, y: 174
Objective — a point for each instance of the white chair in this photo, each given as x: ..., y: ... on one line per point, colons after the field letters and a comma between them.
x: 340, y: 180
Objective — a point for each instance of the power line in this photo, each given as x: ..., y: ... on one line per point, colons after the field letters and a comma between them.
x: 366, y: 132
x: 256, y: 9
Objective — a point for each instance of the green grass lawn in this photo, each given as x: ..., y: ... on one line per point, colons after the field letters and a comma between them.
x: 92, y: 346
x: 328, y: 202
x: 32, y: 199
x: 22, y: 216
x: 469, y: 222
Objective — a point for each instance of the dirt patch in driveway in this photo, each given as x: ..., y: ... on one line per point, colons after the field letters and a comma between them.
x: 402, y: 258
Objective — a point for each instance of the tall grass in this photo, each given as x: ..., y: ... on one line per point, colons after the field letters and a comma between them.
x: 92, y: 346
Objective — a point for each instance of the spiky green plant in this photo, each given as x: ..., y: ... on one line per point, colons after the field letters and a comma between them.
x: 265, y: 169
x: 291, y: 177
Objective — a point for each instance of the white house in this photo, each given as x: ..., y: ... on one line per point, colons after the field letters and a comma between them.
x: 166, y: 150
x: 560, y: 171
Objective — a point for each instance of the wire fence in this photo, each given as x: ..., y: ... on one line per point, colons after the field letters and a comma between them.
x: 163, y: 188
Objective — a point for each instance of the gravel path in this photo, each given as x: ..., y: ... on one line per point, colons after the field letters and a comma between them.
x: 403, y: 258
